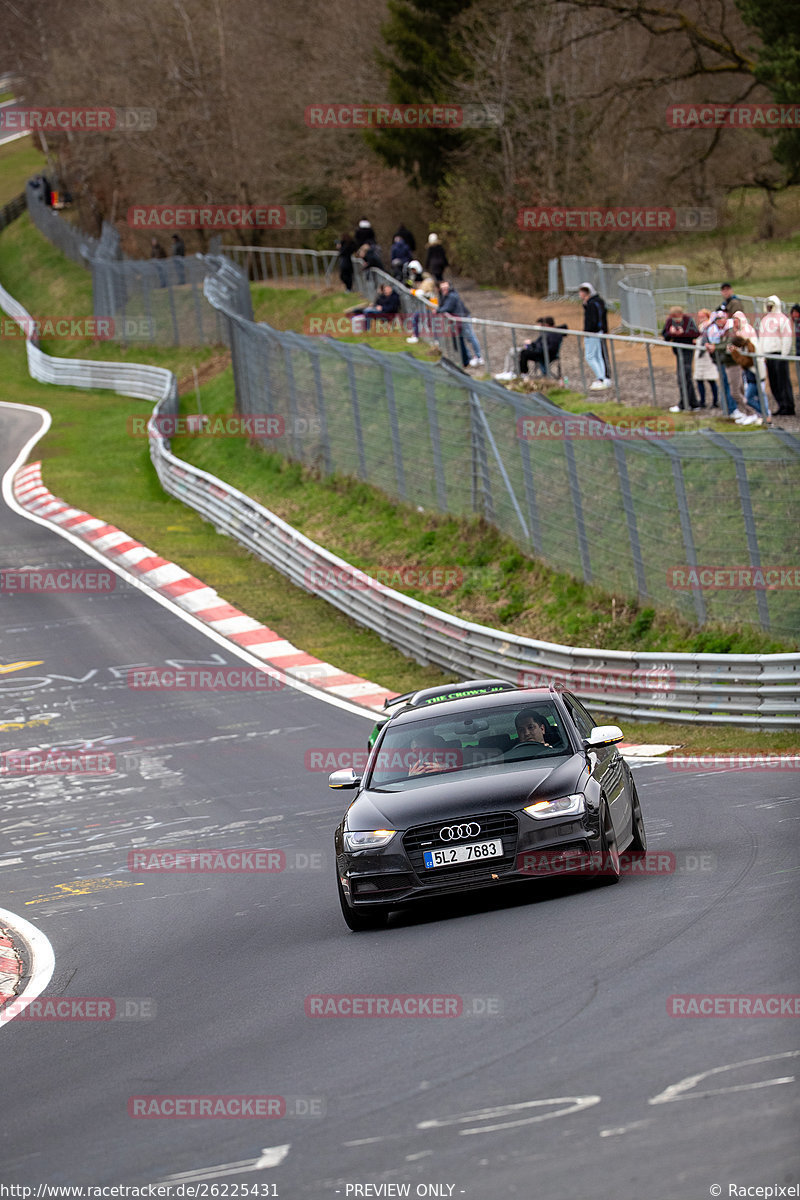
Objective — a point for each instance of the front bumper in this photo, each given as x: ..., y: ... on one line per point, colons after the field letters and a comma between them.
x: 394, y: 875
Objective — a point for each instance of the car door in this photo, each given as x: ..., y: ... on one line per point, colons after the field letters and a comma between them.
x: 608, y: 768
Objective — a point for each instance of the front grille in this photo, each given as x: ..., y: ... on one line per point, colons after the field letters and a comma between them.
x: 493, y: 825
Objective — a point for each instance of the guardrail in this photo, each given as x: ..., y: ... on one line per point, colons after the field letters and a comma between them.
x: 748, y: 690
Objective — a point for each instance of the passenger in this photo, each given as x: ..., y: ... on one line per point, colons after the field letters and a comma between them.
x: 431, y: 754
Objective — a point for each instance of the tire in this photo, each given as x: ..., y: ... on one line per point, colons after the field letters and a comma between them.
x: 361, y: 920
x: 639, y: 843
x: 612, y: 867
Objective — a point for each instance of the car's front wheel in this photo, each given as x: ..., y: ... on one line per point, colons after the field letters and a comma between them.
x: 360, y: 920
x: 611, y: 866
x: 639, y: 843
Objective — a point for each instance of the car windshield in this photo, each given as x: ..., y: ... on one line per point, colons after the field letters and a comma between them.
x: 474, y: 740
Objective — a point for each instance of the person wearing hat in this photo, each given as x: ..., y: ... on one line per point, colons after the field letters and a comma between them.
x: 775, y: 337
x: 364, y: 233
x: 436, y: 258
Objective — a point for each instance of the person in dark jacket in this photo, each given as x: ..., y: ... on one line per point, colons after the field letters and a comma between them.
x: 400, y: 254
x: 157, y: 251
x: 385, y: 305
x: 178, y: 251
x: 364, y: 233
x: 347, y: 248
x: 595, y: 320
x: 407, y: 237
x: 730, y: 301
x: 680, y: 328
x: 453, y: 306
x: 436, y: 258
x: 533, y: 351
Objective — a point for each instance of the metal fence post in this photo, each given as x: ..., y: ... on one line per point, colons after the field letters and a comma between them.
x: 630, y: 516
x: 686, y: 526
x: 436, y: 445
x: 362, y: 460
x: 394, y: 429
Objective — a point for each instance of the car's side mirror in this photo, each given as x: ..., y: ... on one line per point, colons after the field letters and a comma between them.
x: 603, y: 735
x: 347, y: 778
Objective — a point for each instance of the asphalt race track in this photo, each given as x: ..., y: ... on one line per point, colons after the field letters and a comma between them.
x: 568, y: 1078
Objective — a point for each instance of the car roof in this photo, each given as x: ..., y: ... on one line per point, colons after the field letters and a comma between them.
x: 446, y: 708
x: 423, y: 696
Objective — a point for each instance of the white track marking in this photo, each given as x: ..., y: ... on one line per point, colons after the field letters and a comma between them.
x: 271, y: 1156
x: 675, y: 1090
x: 43, y: 962
x: 574, y: 1104
x: 134, y: 581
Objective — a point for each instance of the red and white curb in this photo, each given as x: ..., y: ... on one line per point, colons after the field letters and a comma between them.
x: 11, y: 966
x: 193, y: 595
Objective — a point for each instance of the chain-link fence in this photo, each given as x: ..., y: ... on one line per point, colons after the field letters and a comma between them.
x: 634, y: 515
x: 155, y: 301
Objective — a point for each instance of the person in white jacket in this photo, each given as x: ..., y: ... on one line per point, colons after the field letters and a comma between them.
x: 776, y: 336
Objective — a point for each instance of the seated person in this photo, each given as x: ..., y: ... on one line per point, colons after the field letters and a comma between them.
x: 534, y: 351
x: 386, y: 304
x: 532, y: 730
x: 431, y: 750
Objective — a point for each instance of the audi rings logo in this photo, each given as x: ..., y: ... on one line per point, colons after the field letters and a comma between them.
x: 454, y: 833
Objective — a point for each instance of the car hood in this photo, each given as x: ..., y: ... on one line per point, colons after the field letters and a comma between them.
x: 466, y: 793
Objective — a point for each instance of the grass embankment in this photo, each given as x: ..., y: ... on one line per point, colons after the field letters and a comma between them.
x: 19, y: 160
x: 91, y: 429
x: 738, y: 251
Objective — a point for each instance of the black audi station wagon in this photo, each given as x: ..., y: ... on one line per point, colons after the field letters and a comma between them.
x: 482, y: 791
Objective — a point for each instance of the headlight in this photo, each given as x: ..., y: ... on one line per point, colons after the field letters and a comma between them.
x: 564, y: 806
x: 368, y: 839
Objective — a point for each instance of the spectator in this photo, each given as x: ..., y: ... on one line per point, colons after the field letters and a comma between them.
x: 400, y: 254
x: 714, y: 335
x: 454, y: 306
x: 743, y: 351
x: 157, y: 251
x: 436, y: 258
x: 730, y: 301
x: 775, y: 337
x: 407, y: 237
x: 680, y: 328
x: 347, y: 248
x: 425, y: 290
x: 704, y: 369
x: 535, y: 351
x: 794, y: 314
x: 370, y: 255
x: 385, y: 305
x: 595, y: 320
x: 178, y: 251
x: 364, y: 233
x: 732, y: 358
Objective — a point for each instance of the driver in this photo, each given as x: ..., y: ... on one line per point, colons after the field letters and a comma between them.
x: 532, y: 727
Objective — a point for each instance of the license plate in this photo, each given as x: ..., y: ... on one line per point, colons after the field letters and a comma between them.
x: 474, y: 852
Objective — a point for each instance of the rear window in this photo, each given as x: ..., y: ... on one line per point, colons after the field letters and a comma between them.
x: 473, y: 741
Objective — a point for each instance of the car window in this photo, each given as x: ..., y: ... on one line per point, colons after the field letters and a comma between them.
x: 585, y: 724
x: 474, y: 740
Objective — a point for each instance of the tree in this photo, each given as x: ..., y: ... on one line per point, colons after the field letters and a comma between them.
x: 422, y: 68
x: 777, y: 66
